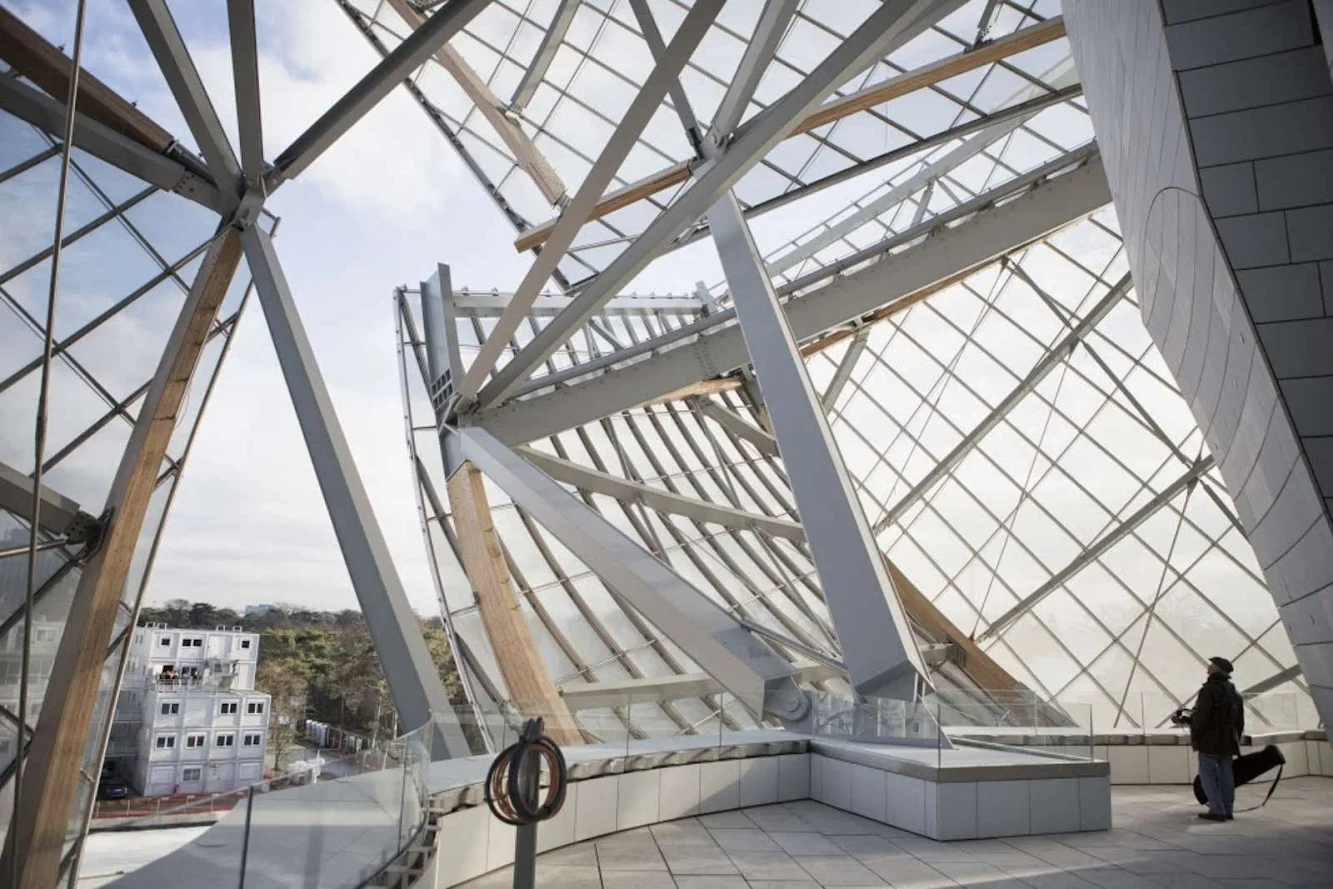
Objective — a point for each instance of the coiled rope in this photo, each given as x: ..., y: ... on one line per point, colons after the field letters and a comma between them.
x: 513, y: 790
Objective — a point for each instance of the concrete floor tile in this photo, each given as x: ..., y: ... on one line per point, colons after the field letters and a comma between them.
x: 698, y: 860
x: 845, y: 871
x: 725, y: 819
x: 807, y: 883
x: 739, y: 839
x: 628, y: 879
x: 806, y: 843
x: 767, y: 866
x: 711, y: 883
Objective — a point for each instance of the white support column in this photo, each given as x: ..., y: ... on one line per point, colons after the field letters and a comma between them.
x: 408, y: 668
x: 873, y: 633
x: 745, y: 665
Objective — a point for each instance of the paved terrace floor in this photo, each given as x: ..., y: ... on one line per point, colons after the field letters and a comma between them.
x: 1157, y: 842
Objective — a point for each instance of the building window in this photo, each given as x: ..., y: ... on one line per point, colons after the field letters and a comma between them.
x: 195, y: 740
x: 166, y: 742
x: 193, y: 642
x: 245, y: 643
x: 44, y: 634
x: 253, y: 740
x: 228, y: 740
x: 164, y: 641
x: 228, y: 707
x: 195, y: 774
x: 253, y: 707
x: 170, y: 708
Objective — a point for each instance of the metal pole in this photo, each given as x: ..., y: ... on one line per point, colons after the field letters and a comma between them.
x: 525, y: 836
x: 39, y: 430
x: 245, y: 838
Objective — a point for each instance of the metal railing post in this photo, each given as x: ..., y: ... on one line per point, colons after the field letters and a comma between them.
x: 245, y: 838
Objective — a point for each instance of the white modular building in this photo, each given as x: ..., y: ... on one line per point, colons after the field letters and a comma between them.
x: 188, y: 719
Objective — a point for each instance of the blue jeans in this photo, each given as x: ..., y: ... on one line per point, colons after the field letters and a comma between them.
x: 1219, y: 784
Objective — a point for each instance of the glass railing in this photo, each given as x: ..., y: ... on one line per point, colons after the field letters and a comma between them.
x: 351, y: 815
x: 1015, y: 718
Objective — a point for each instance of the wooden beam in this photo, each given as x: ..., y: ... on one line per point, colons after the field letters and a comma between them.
x: 862, y: 100
x: 979, y: 665
x: 531, y: 687
x: 612, y: 201
x: 526, y: 154
x: 46, y: 66
x: 935, y: 72
x: 51, y: 776
x: 702, y: 388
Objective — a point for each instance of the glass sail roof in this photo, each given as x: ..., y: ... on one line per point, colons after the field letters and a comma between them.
x: 1015, y: 438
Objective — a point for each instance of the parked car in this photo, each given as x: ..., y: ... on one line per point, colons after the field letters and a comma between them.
x: 112, y: 787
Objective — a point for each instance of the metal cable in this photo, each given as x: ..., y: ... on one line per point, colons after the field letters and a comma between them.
x: 39, y: 430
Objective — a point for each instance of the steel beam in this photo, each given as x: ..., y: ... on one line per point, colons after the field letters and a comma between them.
x: 58, y: 513
x: 35, y: 840
x: 888, y: 27
x: 1052, y: 360
x: 737, y: 426
x: 245, y: 74
x: 874, y: 636
x: 855, y: 349
x: 744, y: 665
x: 1273, y: 681
x: 489, y: 305
x: 394, y: 628
x: 1100, y: 546
x: 168, y: 47
x: 713, y: 347
x: 622, y: 141
x: 586, y: 479
x: 759, y: 52
x: 408, y: 56
x: 551, y: 40
x: 107, y: 144
x: 529, y: 159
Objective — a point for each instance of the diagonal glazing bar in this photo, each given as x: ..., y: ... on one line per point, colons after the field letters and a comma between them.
x: 1190, y: 477
x: 551, y: 40
x: 636, y: 117
x: 1052, y: 360
x: 888, y: 27
x: 485, y: 305
x: 746, y: 666
x: 413, y: 678
x: 875, y: 639
x: 763, y: 45
x: 702, y: 350
x: 173, y: 57
x: 392, y: 70
x: 843, y: 374
x: 107, y: 144
x: 245, y: 73
x: 655, y: 498
x: 528, y: 157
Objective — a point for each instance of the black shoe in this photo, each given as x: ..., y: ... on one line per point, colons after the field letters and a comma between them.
x: 1231, y: 817
x: 1209, y: 816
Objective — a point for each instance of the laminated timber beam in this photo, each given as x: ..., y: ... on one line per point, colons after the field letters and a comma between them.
x: 28, y: 53
x: 862, y: 100
x: 36, y: 839
x: 691, y: 366
x: 530, y: 686
x: 528, y: 157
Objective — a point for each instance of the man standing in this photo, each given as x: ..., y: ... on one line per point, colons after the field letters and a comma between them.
x: 1216, y: 726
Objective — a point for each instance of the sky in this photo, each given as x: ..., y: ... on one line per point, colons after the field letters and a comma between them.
x: 379, y: 209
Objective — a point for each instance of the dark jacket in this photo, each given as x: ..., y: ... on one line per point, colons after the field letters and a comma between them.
x: 1219, y: 718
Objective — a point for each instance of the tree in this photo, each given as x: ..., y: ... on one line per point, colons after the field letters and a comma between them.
x: 288, y: 689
